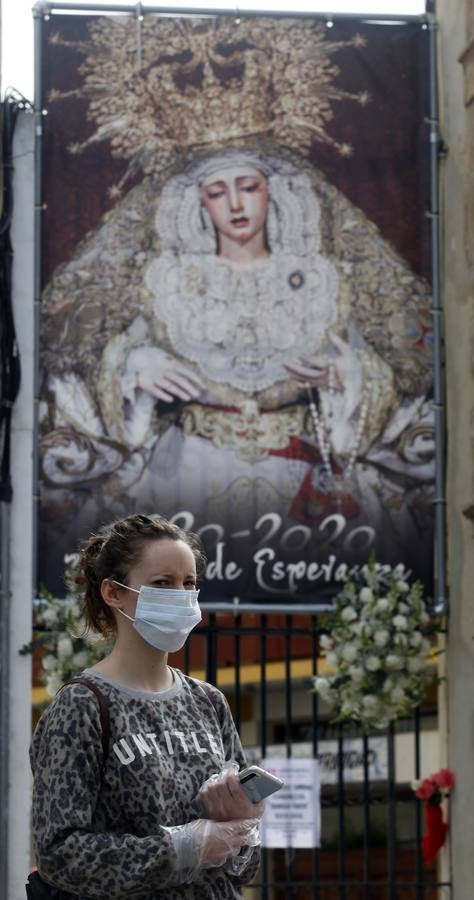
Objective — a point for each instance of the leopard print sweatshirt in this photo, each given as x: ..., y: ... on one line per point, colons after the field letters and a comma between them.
x: 99, y: 834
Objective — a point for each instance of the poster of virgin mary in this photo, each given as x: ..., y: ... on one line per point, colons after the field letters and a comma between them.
x: 229, y: 338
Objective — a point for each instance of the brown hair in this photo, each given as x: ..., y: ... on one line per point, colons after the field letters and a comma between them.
x: 113, y: 551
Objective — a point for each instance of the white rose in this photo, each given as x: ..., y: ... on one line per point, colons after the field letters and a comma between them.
x: 398, y: 694
x: 393, y: 661
x: 401, y: 640
x: 64, y: 648
x: 388, y: 685
x: 80, y: 659
x: 416, y: 639
x: 49, y: 662
x: 349, y: 652
x: 382, y: 722
x: 372, y: 663
x: 383, y: 604
x: 370, y: 702
x: 326, y: 642
x: 381, y: 637
x: 356, y: 673
x: 424, y: 618
x: 322, y: 687
x: 403, y: 607
x: 53, y: 683
x: 403, y: 587
x: 92, y: 639
x: 415, y: 664
x: 74, y: 610
x: 71, y: 559
x: 332, y: 660
x: 400, y: 622
x: 348, y: 614
x: 365, y: 595
x: 50, y: 616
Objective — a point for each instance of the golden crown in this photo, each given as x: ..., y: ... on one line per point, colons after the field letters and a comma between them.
x: 162, y: 87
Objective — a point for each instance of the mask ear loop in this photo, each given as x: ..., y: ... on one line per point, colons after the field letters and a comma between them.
x: 125, y: 614
x: 127, y: 588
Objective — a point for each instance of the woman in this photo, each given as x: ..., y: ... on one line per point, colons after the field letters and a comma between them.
x: 125, y: 826
x: 252, y: 362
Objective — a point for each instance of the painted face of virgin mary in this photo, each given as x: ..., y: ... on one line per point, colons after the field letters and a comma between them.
x: 236, y: 199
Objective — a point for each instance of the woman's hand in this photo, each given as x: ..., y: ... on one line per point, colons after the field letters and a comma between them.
x: 224, y: 799
x: 316, y: 371
x: 162, y: 376
x: 216, y: 842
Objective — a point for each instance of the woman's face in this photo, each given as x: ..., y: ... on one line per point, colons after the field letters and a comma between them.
x: 236, y: 199
x: 163, y: 563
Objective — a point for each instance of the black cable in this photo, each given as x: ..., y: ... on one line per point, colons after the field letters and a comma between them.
x: 10, y: 370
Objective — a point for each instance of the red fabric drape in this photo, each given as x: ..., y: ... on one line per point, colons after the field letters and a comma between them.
x: 435, y: 833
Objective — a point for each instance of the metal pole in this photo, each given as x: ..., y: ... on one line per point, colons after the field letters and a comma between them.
x: 38, y: 13
x: 190, y: 11
x: 438, y: 335
x: 4, y: 693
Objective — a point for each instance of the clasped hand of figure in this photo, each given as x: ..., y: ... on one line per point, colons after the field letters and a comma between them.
x: 162, y: 376
x: 315, y: 371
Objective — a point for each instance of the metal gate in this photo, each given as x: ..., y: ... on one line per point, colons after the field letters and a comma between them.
x: 371, y: 827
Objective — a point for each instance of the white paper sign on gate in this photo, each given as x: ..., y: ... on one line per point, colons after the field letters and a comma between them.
x: 292, y: 815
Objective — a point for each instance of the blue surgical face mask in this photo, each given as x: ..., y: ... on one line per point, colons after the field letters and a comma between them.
x: 164, y: 617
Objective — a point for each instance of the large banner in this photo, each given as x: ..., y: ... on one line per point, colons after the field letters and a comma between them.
x: 236, y: 325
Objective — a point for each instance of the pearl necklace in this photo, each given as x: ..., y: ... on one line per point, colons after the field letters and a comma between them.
x: 322, y: 430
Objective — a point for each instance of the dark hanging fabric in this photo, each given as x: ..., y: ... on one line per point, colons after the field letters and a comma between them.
x: 10, y: 370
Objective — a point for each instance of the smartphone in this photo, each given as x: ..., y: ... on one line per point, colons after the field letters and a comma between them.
x: 258, y: 783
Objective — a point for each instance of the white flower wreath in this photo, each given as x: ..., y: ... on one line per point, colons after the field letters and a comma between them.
x: 60, y: 630
x: 378, y: 643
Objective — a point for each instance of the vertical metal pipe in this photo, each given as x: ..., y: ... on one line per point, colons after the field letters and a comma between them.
x: 237, y: 661
x: 315, y: 741
x: 366, y: 816
x: 38, y: 12
x: 341, y: 849
x: 263, y: 736
x: 418, y: 859
x: 391, y: 817
x: 263, y: 686
x: 187, y: 648
x: 211, y: 650
x: 438, y: 335
x: 4, y: 694
x: 289, y: 852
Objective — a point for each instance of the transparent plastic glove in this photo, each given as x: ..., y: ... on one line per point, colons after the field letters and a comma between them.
x: 237, y: 864
x: 223, y: 797
x: 204, y: 844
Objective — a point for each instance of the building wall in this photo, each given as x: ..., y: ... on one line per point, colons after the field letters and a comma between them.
x: 456, y: 44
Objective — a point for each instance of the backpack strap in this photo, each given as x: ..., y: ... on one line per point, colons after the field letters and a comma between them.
x: 103, y: 711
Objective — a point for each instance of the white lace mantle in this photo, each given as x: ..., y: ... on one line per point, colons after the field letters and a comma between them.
x: 241, y: 323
